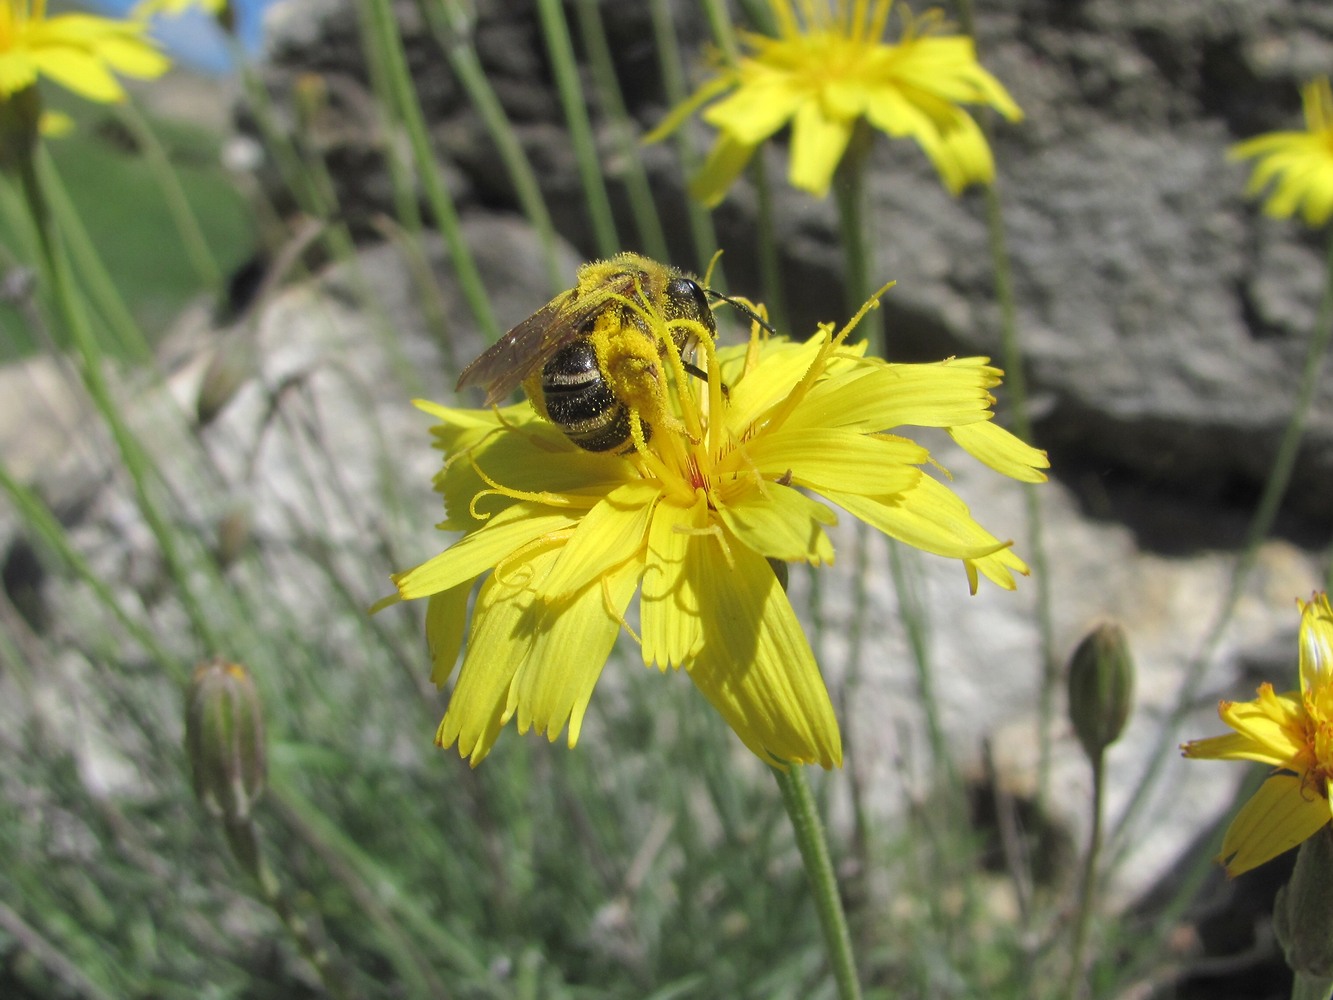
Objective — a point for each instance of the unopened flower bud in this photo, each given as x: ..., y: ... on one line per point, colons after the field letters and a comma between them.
x: 224, y: 739
x: 1101, y: 688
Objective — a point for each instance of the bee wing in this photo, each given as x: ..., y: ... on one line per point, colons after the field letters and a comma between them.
x: 528, y: 346
x: 521, y: 351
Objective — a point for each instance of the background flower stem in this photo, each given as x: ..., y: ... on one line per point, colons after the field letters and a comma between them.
x: 560, y: 48
x: 72, y: 311
x: 1015, y: 385
x: 1088, y: 884
x: 809, y: 831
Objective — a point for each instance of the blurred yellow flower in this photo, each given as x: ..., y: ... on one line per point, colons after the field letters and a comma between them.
x: 1300, y: 164
x: 81, y: 52
x: 690, y: 520
x: 830, y: 68
x: 1292, y: 733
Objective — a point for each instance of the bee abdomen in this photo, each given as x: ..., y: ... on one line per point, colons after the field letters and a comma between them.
x: 581, y: 404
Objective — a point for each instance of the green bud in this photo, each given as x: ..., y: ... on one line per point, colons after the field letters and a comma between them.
x: 1101, y: 688
x: 224, y: 739
x: 1303, y: 911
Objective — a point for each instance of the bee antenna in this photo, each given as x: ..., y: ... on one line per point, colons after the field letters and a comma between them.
x: 746, y: 310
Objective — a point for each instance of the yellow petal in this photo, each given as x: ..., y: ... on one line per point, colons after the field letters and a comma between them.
x: 817, y: 145
x: 755, y: 665
x: 669, y: 605
x: 756, y: 109
x: 1277, y: 818
x: 1232, y: 746
x: 612, y: 530
x: 467, y: 559
x: 446, y: 624
x: 719, y: 171
x: 80, y: 72
x: 501, y: 638
x: 993, y: 445
x: 1316, y: 645
x: 781, y: 365
x: 568, y: 652
x: 781, y: 523
x: 929, y: 517
x: 882, y: 396
x: 834, y: 459
x: 1273, y: 724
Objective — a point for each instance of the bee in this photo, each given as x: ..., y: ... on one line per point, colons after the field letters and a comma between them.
x: 591, y: 359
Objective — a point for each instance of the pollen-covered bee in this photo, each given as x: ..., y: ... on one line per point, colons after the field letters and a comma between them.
x: 594, y: 355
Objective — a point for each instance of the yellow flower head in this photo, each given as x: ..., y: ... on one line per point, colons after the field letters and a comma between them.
x: 830, y: 68
x: 78, y: 51
x: 1292, y: 733
x: 689, y: 518
x: 1299, y: 163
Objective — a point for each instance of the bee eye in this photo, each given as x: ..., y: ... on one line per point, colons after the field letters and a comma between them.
x: 690, y: 300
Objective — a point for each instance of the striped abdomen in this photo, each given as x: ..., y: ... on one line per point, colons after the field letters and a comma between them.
x: 581, y: 404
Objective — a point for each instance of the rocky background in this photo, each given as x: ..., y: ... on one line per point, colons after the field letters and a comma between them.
x: 1164, y: 323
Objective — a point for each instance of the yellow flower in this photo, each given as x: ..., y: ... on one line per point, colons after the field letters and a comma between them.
x: 1292, y: 733
x: 1300, y: 163
x: 829, y: 69
x: 562, y: 539
x: 77, y: 51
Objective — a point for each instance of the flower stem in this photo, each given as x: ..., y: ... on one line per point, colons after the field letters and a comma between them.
x: 560, y: 48
x: 673, y: 85
x: 384, y: 35
x: 1015, y: 383
x: 1088, y: 887
x: 71, y: 310
x: 454, y: 31
x: 809, y: 831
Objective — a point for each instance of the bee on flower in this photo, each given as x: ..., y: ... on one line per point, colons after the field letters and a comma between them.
x: 1292, y: 733
x: 829, y: 70
x: 680, y: 484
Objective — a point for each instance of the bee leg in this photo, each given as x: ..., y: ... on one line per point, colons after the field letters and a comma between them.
x: 702, y: 376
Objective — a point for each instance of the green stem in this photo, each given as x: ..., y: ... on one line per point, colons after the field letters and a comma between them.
x: 809, y: 831
x: 770, y: 276
x: 39, y: 519
x: 561, y: 50
x: 1015, y: 383
x: 87, y: 263
x: 454, y: 35
x: 1088, y: 886
x: 849, y: 189
x: 673, y: 85
x: 137, y: 463
x: 178, y: 205
x: 652, y: 238
x: 384, y: 35
x: 1279, y: 477
x: 243, y: 839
